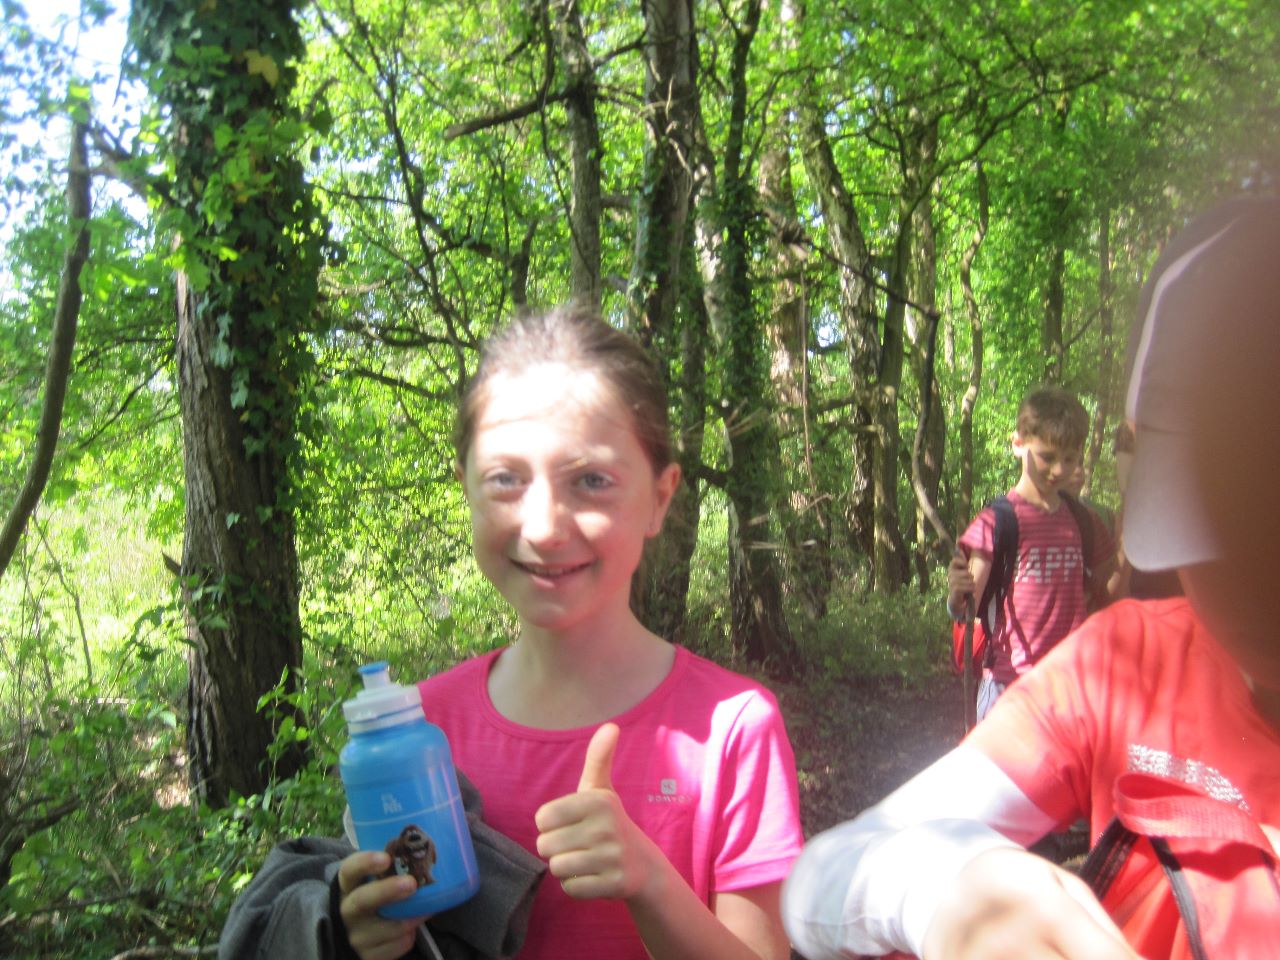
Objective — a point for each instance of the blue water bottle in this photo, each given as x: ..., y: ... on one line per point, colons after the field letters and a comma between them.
x: 403, y: 792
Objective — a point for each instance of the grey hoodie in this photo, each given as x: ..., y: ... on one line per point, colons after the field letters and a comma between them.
x: 289, y: 911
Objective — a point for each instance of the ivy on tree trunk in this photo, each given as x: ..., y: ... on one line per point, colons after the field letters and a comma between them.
x: 247, y: 248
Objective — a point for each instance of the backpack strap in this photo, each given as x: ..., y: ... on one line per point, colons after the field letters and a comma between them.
x: 1182, y: 895
x: 1084, y: 520
x: 1107, y: 856
x: 1004, y: 563
x: 1102, y: 866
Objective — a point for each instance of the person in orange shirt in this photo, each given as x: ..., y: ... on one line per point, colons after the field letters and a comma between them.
x: 1158, y: 721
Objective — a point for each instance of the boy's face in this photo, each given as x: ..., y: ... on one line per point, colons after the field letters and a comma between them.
x: 1045, y: 466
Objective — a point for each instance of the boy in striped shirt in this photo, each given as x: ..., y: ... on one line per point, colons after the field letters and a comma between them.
x: 1049, y: 594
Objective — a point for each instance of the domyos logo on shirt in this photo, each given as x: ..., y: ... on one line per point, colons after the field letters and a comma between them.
x: 668, y: 792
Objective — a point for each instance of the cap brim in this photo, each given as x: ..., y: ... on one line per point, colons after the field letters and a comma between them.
x: 1164, y: 522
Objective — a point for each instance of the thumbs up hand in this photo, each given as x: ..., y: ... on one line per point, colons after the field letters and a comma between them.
x: 589, y: 842
x: 597, y: 769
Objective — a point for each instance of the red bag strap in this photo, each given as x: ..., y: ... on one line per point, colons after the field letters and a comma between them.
x: 1162, y: 809
x: 1155, y: 806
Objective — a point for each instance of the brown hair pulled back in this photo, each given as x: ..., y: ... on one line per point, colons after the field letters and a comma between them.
x: 576, y: 336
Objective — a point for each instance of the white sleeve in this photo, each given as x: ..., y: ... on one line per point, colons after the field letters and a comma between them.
x: 870, y: 886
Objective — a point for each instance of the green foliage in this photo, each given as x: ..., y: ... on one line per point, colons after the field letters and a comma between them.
x: 133, y: 863
x: 247, y: 234
x: 904, y: 638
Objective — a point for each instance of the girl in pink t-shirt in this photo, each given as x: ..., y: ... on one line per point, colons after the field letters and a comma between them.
x: 678, y: 848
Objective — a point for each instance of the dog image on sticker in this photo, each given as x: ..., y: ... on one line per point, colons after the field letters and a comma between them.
x: 413, y: 854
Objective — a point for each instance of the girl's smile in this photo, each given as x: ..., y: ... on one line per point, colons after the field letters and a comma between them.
x: 551, y: 577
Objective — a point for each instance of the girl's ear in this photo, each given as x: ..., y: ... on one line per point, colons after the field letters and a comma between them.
x: 1015, y: 444
x: 664, y: 488
x: 460, y: 474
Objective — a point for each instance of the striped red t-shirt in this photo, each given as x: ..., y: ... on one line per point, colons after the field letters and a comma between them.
x: 1046, y: 600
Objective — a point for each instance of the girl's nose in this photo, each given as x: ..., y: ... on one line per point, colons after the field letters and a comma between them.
x: 543, y: 516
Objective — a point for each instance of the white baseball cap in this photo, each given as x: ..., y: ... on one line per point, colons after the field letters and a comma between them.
x: 1205, y: 384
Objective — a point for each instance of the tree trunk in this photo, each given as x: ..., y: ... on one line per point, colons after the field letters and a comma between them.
x: 249, y: 240
x: 923, y: 270
x: 584, y: 150
x: 665, y: 298
x: 240, y: 574
x: 801, y: 508
x: 666, y: 588
x: 1106, y: 348
x: 1055, y: 348
x: 758, y: 622
x: 670, y: 121
x: 856, y: 311
x: 890, y: 569
x: 1055, y: 300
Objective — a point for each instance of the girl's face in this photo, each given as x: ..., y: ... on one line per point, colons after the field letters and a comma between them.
x: 562, y: 496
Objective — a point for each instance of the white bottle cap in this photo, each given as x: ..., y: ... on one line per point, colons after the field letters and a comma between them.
x: 381, y: 703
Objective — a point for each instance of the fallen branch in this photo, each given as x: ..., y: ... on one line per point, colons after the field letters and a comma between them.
x: 173, y: 950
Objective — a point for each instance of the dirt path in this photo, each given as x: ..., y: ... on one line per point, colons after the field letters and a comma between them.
x: 855, y: 742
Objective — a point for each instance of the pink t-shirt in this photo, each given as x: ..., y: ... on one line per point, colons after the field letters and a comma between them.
x: 703, y: 766
x: 1143, y: 688
x: 1046, y: 600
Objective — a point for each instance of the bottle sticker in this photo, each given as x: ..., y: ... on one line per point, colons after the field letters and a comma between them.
x: 413, y: 853
x: 430, y: 843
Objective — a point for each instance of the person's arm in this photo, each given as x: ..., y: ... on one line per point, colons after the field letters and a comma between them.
x: 1118, y: 583
x: 967, y: 578
x: 938, y: 870
x: 754, y: 915
x: 743, y: 924
x: 871, y: 885
x: 596, y: 851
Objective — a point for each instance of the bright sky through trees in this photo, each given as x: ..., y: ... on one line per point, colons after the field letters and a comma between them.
x: 96, y: 45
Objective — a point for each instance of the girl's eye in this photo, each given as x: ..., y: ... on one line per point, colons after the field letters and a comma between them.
x: 502, y: 480
x: 595, y: 481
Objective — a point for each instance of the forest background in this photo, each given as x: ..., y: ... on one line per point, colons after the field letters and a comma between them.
x: 246, y: 270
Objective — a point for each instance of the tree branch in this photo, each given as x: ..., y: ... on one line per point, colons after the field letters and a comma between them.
x: 57, y: 372
x: 398, y: 384
x: 526, y: 109
x: 172, y: 950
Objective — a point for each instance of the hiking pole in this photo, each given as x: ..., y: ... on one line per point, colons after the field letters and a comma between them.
x: 968, y: 682
x: 935, y: 520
